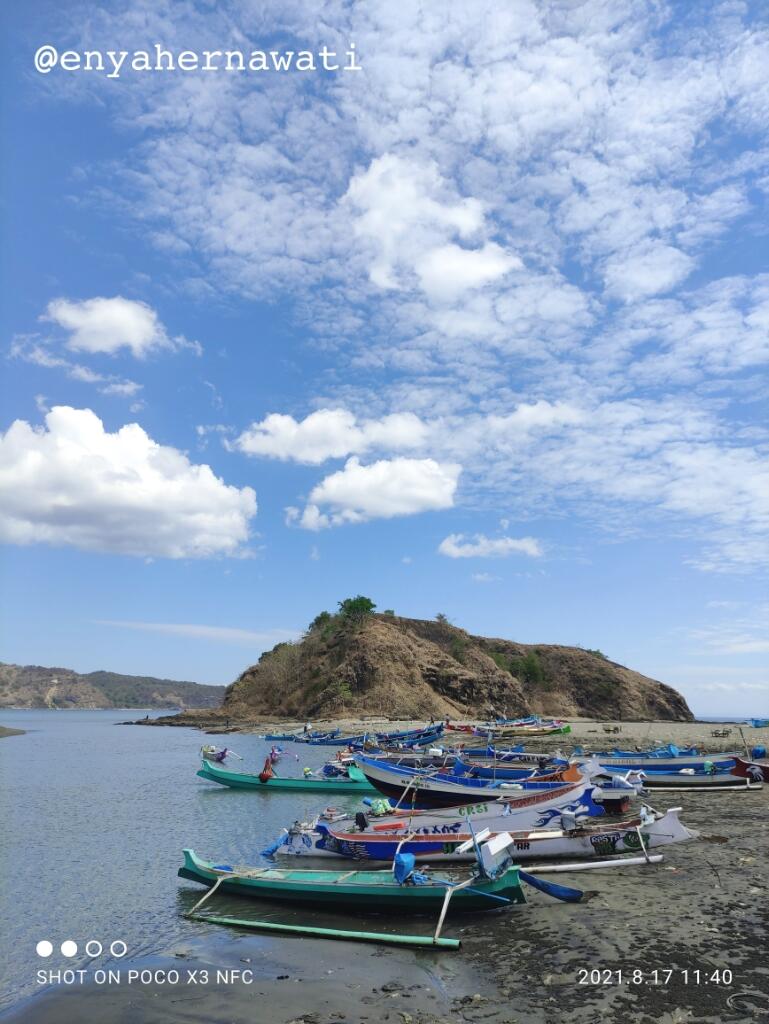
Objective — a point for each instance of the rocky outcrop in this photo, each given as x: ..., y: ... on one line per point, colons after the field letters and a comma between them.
x: 414, y: 668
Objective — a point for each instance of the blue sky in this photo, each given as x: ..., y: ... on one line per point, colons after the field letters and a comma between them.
x: 481, y: 329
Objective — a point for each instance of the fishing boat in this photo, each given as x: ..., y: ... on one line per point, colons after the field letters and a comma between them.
x: 554, y: 729
x: 753, y: 769
x: 500, y: 815
x: 217, y: 754
x: 335, y: 740
x: 544, y: 772
x: 374, y: 890
x: 650, y: 830
x: 385, y: 744
x: 422, y: 790
x: 435, y: 730
x: 666, y: 753
x: 353, y: 782
x: 690, y: 780
x: 759, y: 723
x: 660, y: 764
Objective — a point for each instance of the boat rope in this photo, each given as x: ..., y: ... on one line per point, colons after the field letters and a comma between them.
x: 643, y: 844
x: 210, y: 892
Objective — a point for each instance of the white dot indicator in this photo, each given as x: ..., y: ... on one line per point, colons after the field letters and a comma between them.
x: 44, y: 948
x: 68, y: 948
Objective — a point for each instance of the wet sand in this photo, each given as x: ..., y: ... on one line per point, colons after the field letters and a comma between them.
x: 5, y: 731
x: 704, y: 909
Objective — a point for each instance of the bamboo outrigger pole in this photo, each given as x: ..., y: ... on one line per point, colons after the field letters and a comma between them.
x: 337, y: 933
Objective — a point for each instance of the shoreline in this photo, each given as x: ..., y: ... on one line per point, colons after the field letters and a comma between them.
x: 6, y: 731
x: 591, y: 733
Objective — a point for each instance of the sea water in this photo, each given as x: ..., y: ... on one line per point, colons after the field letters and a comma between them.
x: 94, y: 816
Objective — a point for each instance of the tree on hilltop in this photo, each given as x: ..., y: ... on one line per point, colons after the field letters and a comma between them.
x: 356, y: 609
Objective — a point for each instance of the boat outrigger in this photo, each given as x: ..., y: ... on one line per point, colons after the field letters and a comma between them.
x: 495, y: 883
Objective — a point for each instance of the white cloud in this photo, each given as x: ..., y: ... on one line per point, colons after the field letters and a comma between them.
x: 30, y: 350
x: 480, y: 546
x: 406, y: 218
x: 108, y: 325
x: 329, y: 433
x: 449, y: 269
x: 73, y: 483
x: 381, y: 490
x: 602, y: 146
x: 484, y: 577
x: 748, y: 634
x: 219, y: 634
x: 732, y: 687
x: 646, y: 270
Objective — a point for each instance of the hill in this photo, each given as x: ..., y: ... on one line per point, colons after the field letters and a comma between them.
x: 413, y: 668
x: 32, y: 686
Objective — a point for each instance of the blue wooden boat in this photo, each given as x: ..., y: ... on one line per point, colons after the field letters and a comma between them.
x: 433, y: 731
x: 418, y: 789
x: 466, y: 769
x: 658, y: 764
x: 517, y: 753
x: 334, y: 740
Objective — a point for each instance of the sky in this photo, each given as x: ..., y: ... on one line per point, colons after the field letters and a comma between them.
x: 472, y: 318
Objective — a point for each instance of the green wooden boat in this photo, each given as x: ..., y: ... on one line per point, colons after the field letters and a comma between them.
x: 361, y: 890
x: 247, y: 780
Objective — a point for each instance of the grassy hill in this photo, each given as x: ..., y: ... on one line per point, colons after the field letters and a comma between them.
x: 385, y: 664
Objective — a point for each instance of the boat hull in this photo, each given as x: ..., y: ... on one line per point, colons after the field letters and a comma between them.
x: 427, y: 791
x: 743, y: 769
x: 243, y: 780
x: 592, y: 842
x: 372, y: 890
x: 695, y: 783
x: 715, y: 782
x: 496, y: 815
x: 669, y: 764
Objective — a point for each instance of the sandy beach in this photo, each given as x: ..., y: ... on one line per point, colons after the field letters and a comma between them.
x: 588, y: 733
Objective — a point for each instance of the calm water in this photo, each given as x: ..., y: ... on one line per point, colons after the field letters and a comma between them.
x: 94, y: 817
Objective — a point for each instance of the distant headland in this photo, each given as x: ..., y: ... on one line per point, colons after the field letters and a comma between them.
x: 33, y: 686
